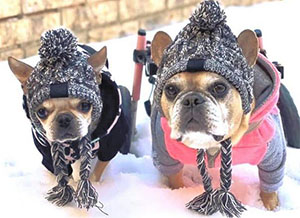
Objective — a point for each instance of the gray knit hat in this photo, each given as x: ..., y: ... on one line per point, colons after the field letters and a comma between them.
x: 63, y: 71
x: 206, y: 43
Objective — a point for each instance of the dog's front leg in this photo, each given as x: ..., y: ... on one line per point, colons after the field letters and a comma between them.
x: 176, y: 180
x: 98, y: 171
x: 271, y: 168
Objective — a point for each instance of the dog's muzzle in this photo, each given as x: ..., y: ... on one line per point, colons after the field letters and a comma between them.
x: 192, y: 112
x: 66, y: 127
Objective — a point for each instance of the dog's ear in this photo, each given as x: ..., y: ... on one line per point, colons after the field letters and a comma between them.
x: 159, y: 43
x: 97, y: 61
x: 248, y: 42
x: 21, y: 70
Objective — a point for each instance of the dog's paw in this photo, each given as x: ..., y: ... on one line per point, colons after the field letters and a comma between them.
x: 270, y: 200
x: 191, y: 176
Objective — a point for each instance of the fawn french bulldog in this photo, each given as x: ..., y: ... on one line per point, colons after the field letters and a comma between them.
x: 76, y: 113
x: 214, y: 93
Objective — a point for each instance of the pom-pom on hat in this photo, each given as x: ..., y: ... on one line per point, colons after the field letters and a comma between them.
x: 206, y: 43
x: 63, y: 71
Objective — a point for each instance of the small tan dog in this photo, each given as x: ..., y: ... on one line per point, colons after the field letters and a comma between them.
x: 76, y: 113
x: 64, y: 119
x: 198, y: 105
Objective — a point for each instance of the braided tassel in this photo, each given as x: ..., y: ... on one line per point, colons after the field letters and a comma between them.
x: 62, y: 193
x: 204, y: 203
x: 86, y: 195
x: 228, y: 204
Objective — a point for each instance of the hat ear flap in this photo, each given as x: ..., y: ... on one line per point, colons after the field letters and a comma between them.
x: 21, y: 70
x: 248, y: 42
x: 159, y: 43
x: 97, y: 61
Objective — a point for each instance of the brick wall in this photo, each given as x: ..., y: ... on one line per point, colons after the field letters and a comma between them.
x: 23, y: 21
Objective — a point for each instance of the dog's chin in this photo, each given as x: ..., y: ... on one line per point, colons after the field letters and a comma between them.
x: 76, y: 133
x: 68, y: 137
x: 198, y: 140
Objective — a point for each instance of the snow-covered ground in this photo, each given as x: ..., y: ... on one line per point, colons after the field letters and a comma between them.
x: 131, y: 187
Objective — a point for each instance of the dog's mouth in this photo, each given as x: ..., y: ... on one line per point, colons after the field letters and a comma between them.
x: 67, y: 137
x: 192, y: 124
x: 192, y: 121
x: 218, y: 138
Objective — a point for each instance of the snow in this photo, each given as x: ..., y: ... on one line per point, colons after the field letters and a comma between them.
x: 131, y: 186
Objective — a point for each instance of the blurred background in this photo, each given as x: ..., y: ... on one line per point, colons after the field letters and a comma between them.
x: 23, y: 21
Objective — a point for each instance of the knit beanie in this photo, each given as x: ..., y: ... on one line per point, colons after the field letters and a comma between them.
x: 206, y: 43
x: 63, y: 71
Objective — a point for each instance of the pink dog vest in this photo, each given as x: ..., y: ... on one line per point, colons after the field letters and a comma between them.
x: 251, y: 148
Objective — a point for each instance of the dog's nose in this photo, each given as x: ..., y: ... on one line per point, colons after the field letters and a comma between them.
x: 193, y: 100
x: 64, y: 120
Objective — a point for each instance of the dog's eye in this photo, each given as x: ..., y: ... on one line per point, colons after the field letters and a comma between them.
x: 219, y: 89
x: 42, y: 113
x: 171, y: 91
x: 85, y: 106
